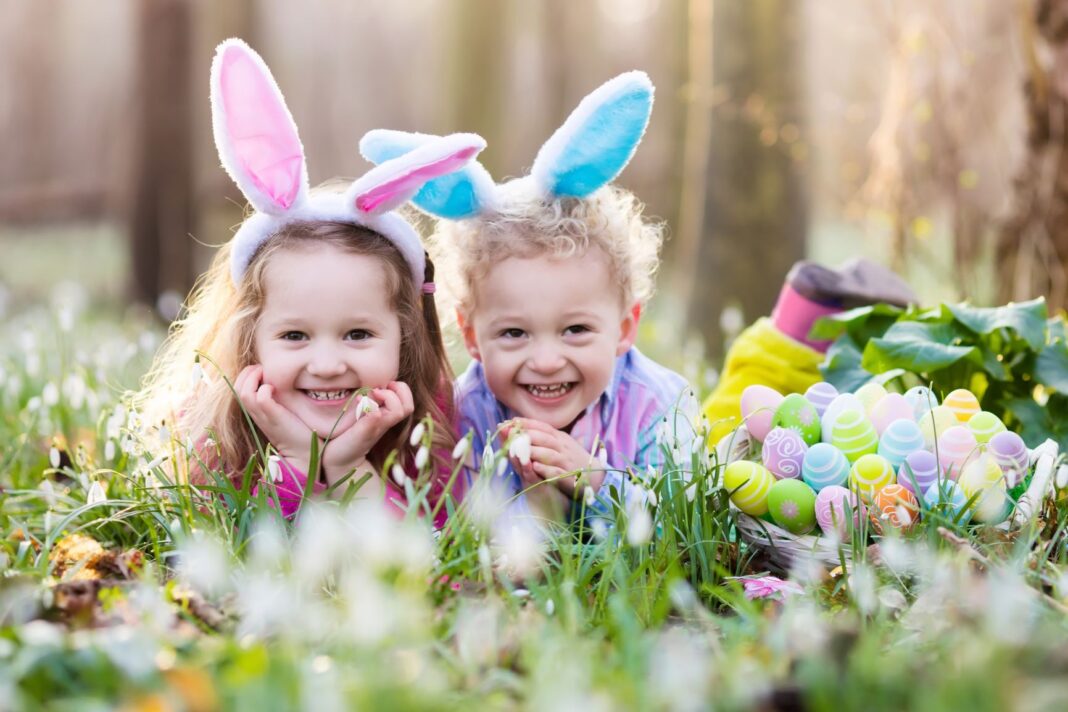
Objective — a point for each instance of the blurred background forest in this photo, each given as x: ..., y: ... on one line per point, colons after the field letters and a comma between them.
x: 926, y: 134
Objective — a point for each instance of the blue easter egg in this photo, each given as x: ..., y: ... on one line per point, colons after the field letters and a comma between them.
x: 949, y: 496
x: 824, y: 465
x: 922, y: 399
x: 901, y: 438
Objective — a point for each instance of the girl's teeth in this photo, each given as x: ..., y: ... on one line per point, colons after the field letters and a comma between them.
x: 549, y: 391
x: 328, y: 395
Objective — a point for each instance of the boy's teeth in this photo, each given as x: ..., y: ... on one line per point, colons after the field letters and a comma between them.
x: 329, y: 395
x: 556, y: 389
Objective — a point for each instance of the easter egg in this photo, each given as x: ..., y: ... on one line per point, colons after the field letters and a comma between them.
x: 983, y: 479
x: 834, y: 506
x: 870, y: 474
x: 841, y: 403
x: 900, y: 438
x: 749, y: 484
x: 985, y: 425
x: 892, y: 407
x: 783, y: 453
x: 963, y: 403
x: 820, y: 395
x: 824, y: 466
x: 1009, y: 451
x: 935, y: 423
x: 922, y: 399
x: 896, y: 506
x: 854, y: 435
x: 955, y: 447
x: 792, y: 504
x: 796, y: 413
x: 758, y: 406
x: 869, y: 394
x: 918, y: 471
x: 947, y: 497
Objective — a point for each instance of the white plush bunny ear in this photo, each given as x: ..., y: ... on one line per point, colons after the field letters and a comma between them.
x: 461, y: 194
x: 396, y: 181
x: 597, y: 141
x: 254, y: 131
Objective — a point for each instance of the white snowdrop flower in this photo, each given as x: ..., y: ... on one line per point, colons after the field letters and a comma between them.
x: 892, y: 599
x: 365, y: 406
x: 602, y: 456
x: 862, y: 588
x: 422, y: 456
x: 550, y: 607
x: 463, y: 446
x: 50, y: 394
x: 484, y: 558
x: 520, y: 547
x: 731, y: 320
x: 521, y: 593
x: 33, y: 404
x: 48, y: 491
x: 650, y: 496
x: 268, y: 545
x: 502, y: 467
x: 904, y: 516
x: 97, y: 493
x: 32, y: 364
x: 164, y: 435
x: 65, y: 317
x: 639, y: 525
x: 203, y: 564
x: 589, y: 496
x: 398, y: 474
x: 49, y: 521
x: 599, y: 528
x: 1061, y: 480
x: 53, y: 457
x: 196, y: 375
x: 75, y: 390
x: 41, y: 634
x: 519, y: 448
x: 417, y: 434
x: 152, y: 483
x: 274, y: 468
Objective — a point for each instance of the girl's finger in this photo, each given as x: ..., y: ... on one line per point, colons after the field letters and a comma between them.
x: 405, y: 394
x: 532, y: 425
x: 388, y: 400
x: 546, y: 456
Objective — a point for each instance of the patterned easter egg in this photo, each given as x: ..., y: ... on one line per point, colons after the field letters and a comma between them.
x: 820, y: 395
x: 899, y: 439
x: 1009, y: 451
x: 985, y: 425
x: 947, y: 497
x: 783, y: 452
x: 963, y: 403
x: 834, y: 506
x: 758, y: 406
x: 922, y: 399
x: 896, y: 506
x: 870, y: 474
x: 824, y: 466
x: 841, y: 403
x: 918, y: 471
x: 792, y: 504
x: 749, y: 484
x: 983, y: 479
x: 796, y: 413
x: 892, y: 407
x: 935, y: 423
x: 955, y: 447
x: 854, y: 435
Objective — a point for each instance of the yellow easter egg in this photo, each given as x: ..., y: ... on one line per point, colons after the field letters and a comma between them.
x: 935, y: 422
x: 749, y: 484
x: 869, y: 474
x: 963, y: 403
x: 854, y: 435
x: 985, y: 479
x: 869, y: 394
x: 985, y: 425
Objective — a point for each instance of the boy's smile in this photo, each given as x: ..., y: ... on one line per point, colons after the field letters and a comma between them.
x: 547, y: 331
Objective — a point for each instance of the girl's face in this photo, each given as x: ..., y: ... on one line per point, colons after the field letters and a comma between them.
x: 326, y: 328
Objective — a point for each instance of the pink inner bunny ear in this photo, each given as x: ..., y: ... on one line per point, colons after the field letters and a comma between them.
x: 265, y: 155
x: 396, y: 182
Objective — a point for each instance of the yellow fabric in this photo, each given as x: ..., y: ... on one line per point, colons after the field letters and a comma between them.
x: 761, y: 354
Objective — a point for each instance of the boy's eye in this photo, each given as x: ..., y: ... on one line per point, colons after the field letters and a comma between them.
x: 294, y: 336
x: 576, y: 329
x: 358, y: 335
x: 513, y: 333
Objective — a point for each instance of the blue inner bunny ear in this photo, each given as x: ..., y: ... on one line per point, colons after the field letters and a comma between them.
x: 455, y: 196
x: 597, y: 141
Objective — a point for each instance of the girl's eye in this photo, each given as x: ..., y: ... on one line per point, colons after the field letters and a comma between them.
x: 575, y: 329
x: 358, y: 335
x: 294, y: 336
x: 513, y: 333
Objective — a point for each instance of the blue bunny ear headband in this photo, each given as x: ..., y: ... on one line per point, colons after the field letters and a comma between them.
x: 588, y: 151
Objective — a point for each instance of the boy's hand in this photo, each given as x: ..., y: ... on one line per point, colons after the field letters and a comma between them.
x: 555, y: 456
x: 285, y: 431
x: 347, y: 451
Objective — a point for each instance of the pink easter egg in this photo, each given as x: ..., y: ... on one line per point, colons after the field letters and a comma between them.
x: 889, y: 408
x: 820, y: 395
x: 1010, y: 453
x: 955, y: 447
x: 921, y: 466
x: 833, y: 507
x: 783, y: 453
x: 758, y: 405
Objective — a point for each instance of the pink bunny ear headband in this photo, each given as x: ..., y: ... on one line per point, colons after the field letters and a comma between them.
x: 260, y: 149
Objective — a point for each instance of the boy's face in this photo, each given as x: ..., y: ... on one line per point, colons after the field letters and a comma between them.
x: 548, y: 331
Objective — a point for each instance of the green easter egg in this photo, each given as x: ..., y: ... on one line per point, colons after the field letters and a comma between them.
x: 985, y: 425
x: 854, y: 435
x: 869, y: 474
x: 869, y: 394
x: 798, y: 414
x: 749, y: 483
x: 792, y: 504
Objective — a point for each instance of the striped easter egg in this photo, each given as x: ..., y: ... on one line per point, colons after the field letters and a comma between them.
x: 869, y: 394
x: 918, y: 471
x: 895, y: 506
x: 749, y: 484
x: 834, y: 506
x: 1010, y: 452
x: 824, y: 466
x: 841, y: 403
x: 922, y: 399
x: 783, y: 452
x: 854, y: 435
x: 935, y: 423
x: 820, y: 396
x: 948, y: 498
x: 899, y: 439
x: 985, y: 425
x: 963, y: 403
x: 955, y: 448
x: 758, y: 404
x: 984, y: 478
x: 890, y: 408
x: 870, y: 474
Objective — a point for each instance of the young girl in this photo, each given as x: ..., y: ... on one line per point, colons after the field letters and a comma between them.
x: 318, y: 299
x: 551, y: 273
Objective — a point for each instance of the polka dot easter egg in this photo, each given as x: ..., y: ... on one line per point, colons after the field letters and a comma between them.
x: 922, y: 399
x: 935, y: 423
x: 985, y: 425
x: 900, y: 438
x: 824, y: 466
x: 947, y: 497
x: 963, y: 403
x: 870, y: 474
x: 890, y: 408
x: 749, y: 484
x: 1009, y: 451
x: 841, y: 403
x: 895, y: 506
x: 796, y: 413
x: 955, y: 448
x: 820, y: 395
x: 758, y: 406
x: 792, y: 504
x: 918, y: 472
x: 983, y: 479
x: 854, y: 435
x: 783, y: 452
x: 869, y: 394
x: 834, y: 507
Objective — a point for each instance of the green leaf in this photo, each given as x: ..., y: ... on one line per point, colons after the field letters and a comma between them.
x: 842, y: 367
x: 854, y: 320
x: 1027, y: 319
x: 1051, y: 366
x: 917, y: 347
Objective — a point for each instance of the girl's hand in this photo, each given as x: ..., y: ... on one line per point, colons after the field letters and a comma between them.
x: 285, y: 431
x: 555, y: 456
x: 347, y: 451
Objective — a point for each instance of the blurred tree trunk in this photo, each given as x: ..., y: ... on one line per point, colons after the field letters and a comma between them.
x: 1032, y: 250
x: 754, y: 219
x: 161, y: 216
